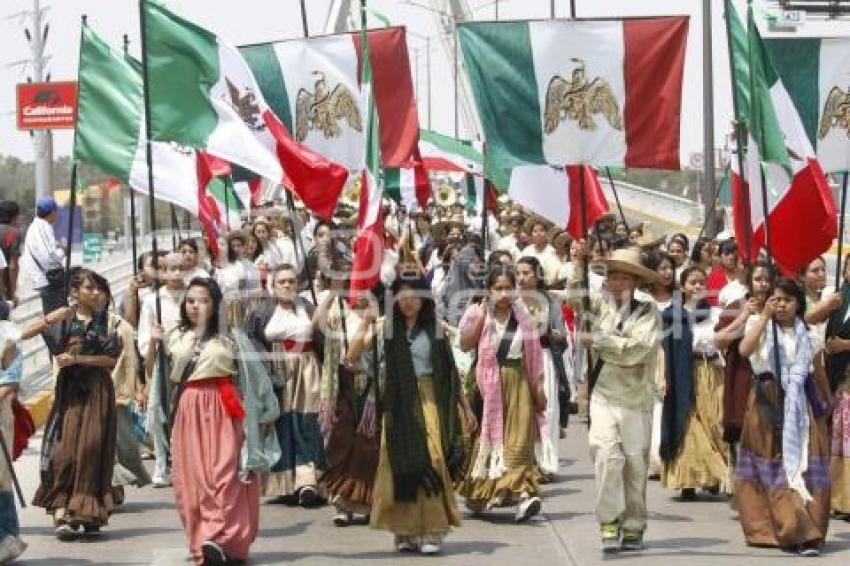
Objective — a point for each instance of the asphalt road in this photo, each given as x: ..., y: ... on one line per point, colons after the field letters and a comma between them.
x: 146, y: 530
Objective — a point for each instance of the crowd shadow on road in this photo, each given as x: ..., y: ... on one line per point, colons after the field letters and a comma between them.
x: 290, y: 530
x: 460, y: 548
x: 131, y: 507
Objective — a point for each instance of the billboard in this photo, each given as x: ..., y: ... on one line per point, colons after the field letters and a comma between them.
x: 47, y: 106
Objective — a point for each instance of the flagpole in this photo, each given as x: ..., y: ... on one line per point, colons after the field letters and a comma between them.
x: 296, y: 224
x: 160, y: 377
x: 72, y: 200
x: 133, y: 238
x: 226, y: 207
x: 838, y: 263
x: 617, y: 198
x: 739, y: 136
x: 174, y: 228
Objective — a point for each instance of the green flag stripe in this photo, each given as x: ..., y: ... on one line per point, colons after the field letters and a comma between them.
x: 451, y: 145
x: 219, y: 186
x: 266, y: 68
x: 738, y: 39
x: 109, y: 108
x: 500, y: 67
x: 180, y: 98
x: 798, y: 63
x: 392, y: 183
x: 764, y: 123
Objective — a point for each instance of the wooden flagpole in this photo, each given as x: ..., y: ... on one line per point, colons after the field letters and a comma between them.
x: 616, y: 199
x: 160, y: 377
x: 133, y: 237
x: 290, y: 202
x: 843, y: 208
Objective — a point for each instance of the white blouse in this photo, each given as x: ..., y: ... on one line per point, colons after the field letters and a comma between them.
x: 703, y: 334
x: 288, y: 325
x: 515, y: 351
x: 759, y: 359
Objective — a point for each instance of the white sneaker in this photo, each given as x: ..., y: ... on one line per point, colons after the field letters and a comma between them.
x: 405, y: 543
x: 342, y: 519
x: 431, y: 544
x: 11, y: 548
x: 528, y: 508
x: 164, y: 481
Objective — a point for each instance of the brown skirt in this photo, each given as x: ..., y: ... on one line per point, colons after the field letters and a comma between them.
x: 771, y: 513
x: 352, y: 457
x: 78, y: 451
x: 703, y: 458
x: 429, y: 514
x: 520, y: 426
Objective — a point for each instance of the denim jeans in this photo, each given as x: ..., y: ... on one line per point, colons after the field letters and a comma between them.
x: 8, y: 515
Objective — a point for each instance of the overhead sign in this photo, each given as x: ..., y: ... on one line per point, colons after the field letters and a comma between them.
x: 47, y: 106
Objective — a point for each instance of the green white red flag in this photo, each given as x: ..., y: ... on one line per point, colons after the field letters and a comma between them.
x: 110, y: 135
x: 578, y: 92
x: 202, y: 94
x: 313, y: 85
x: 780, y: 161
x: 369, y: 245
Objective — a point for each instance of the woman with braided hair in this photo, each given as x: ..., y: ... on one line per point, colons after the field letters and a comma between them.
x: 421, y: 444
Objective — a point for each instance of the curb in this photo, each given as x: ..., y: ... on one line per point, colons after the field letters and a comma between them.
x: 39, y: 406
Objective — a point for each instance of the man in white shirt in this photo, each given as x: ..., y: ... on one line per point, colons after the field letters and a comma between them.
x: 42, y: 255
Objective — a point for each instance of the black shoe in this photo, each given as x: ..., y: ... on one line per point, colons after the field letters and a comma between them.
x: 66, y: 532
x: 713, y: 490
x: 809, y: 549
x: 689, y: 494
x: 91, y: 528
x: 213, y: 554
x: 308, y: 497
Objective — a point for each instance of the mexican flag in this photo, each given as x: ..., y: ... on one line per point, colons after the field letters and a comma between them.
x: 202, y: 94
x: 369, y: 245
x: 780, y: 160
x: 444, y: 153
x: 313, y: 85
x: 555, y: 194
x: 409, y: 185
x: 567, y: 92
x: 110, y: 133
x: 480, y: 192
x: 816, y: 73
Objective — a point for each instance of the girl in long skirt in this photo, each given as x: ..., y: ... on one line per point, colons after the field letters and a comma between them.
x: 509, y: 374
x: 549, y: 321
x: 834, y: 310
x: 219, y: 511
x: 348, y: 417
x: 421, y: 435
x: 692, y: 446
x: 282, y: 326
x: 78, y: 450
x: 782, y: 474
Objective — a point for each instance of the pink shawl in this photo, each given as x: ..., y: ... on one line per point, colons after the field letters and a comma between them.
x: 488, y: 377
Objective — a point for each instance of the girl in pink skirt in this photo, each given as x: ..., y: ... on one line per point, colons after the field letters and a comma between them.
x: 219, y: 510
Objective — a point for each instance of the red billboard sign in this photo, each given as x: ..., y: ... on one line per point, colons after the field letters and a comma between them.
x: 47, y: 106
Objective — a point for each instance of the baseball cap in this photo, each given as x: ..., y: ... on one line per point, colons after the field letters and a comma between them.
x: 45, y: 206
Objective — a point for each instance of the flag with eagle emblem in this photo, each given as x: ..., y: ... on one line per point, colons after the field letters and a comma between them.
x: 202, y: 94
x: 578, y: 92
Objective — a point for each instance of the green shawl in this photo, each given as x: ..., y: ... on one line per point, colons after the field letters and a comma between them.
x: 407, y: 443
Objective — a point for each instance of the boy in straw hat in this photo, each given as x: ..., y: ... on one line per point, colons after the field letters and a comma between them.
x: 623, y: 342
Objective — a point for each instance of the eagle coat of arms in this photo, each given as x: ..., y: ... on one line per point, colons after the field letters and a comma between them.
x: 578, y: 99
x: 836, y: 112
x: 323, y: 108
x: 246, y: 106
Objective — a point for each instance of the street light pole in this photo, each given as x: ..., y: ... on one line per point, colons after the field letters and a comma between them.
x: 42, y: 139
x: 457, y: 94
x: 552, y: 9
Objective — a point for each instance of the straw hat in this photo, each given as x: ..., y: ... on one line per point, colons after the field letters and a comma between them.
x: 443, y: 227
x: 649, y: 239
x: 532, y: 220
x: 626, y: 260
x: 562, y: 236
x: 236, y: 235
